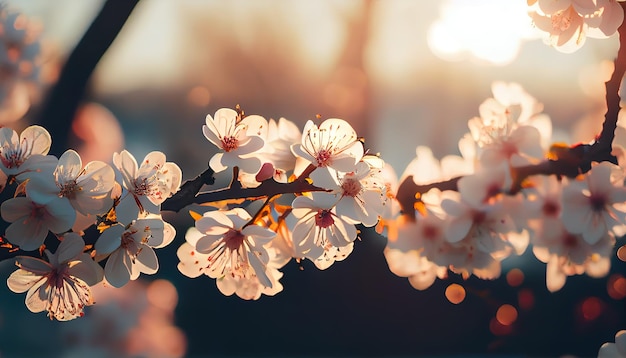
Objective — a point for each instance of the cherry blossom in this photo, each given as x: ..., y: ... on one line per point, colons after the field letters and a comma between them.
x: 87, y: 189
x: 359, y: 192
x: 567, y: 23
x: 130, y: 249
x: 590, y: 205
x: 425, y: 235
x: 250, y: 287
x: 333, y: 144
x: 30, y: 222
x: 280, y: 136
x: 25, y: 156
x: 147, y: 185
x: 420, y: 272
x: 234, y: 247
x: 568, y: 254
x: 239, y: 137
x: 319, y: 225
x: 61, y: 285
x: 332, y: 254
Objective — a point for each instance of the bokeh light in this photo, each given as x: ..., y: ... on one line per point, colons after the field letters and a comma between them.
x: 455, y: 293
x: 506, y: 314
x: 515, y: 277
x: 526, y: 299
x: 199, y: 96
x: 621, y: 253
x: 616, y: 286
x: 591, y: 308
x: 498, y: 328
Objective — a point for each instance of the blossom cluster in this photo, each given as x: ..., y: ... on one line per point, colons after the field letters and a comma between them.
x: 61, y: 197
x: 571, y: 223
x: 344, y: 187
x: 568, y: 23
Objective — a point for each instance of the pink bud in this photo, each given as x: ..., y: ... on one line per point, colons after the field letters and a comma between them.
x: 266, y: 172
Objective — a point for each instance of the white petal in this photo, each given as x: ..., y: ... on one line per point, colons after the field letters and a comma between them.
x: 216, y: 163
x: 28, y: 234
x: 115, y: 271
x: 71, y: 246
x: 259, y: 269
x: 109, y: 240
x: 458, y: 228
x: 169, y: 233
x: 257, y: 231
x: 15, y: 209
x: 206, y: 243
x: 21, y: 280
x: 127, y: 165
x: 555, y: 278
x: 147, y: 260
x: 34, y: 301
x: 38, y: 139
x: 87, y: 270
x: 69, y: 166
x: 61, y: 215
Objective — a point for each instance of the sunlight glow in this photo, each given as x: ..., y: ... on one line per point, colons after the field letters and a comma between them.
x: 488, y: 30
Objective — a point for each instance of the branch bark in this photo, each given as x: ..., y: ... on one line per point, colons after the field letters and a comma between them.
x: 59, y: 107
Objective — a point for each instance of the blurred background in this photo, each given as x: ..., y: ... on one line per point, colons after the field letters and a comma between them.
x: 404, y: 73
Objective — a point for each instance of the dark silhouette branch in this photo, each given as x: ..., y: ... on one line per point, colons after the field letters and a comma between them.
x: 268, y: 188
x: 62, y: 101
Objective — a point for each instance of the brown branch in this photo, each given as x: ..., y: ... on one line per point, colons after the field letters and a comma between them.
x: 570, y: 162
x: 268, y: 189
x: 409, y: 192
x: 188, y: 191
x: 58, y: 110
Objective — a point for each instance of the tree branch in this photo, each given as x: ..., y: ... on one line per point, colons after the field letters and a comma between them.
x: 268, y: 188
x: 59, y: 107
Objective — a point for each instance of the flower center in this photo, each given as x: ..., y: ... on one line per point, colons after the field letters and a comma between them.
x: 130, y: 245
x: 57, y: 275
x: 430, y: 232
x: 479, y: 217
x: 324, y: 218
x: 550, y: 208
x: 69, y: 189
x: 145, y: 186
x: 598, y: 202
x: 350, y: 187
x: 562, y: 20
x: 509, y: 149
x: 230, y: 143
x: 38, y: 211
x: 233, y: 239
x: 323, y: 158
x: 570, y: 240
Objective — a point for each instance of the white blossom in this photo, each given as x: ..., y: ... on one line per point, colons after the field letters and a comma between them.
x: 61, y: 285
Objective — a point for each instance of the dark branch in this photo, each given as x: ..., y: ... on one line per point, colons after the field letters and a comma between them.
x: 269, y: 188
x: 188, y: 191
x: 58, y: 110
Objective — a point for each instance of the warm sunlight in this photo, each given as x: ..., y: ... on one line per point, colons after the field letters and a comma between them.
x: 487, y: 30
